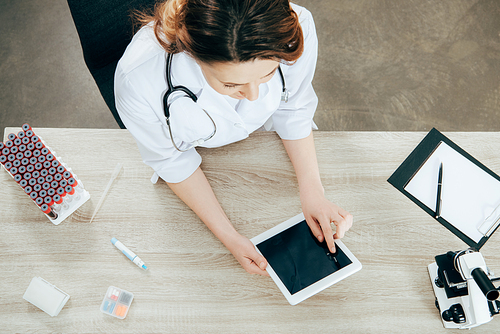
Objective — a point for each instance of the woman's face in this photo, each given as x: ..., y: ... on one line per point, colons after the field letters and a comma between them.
x: 239, y: 80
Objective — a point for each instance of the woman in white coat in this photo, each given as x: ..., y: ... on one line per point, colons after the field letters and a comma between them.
x: 236, y: 57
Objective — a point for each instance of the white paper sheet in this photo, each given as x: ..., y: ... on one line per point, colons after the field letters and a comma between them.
x: 470, y: 196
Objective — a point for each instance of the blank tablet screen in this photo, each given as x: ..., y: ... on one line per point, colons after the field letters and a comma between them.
x: 299, y: 259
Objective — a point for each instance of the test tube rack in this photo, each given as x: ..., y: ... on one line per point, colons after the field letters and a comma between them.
x: 42, y: 175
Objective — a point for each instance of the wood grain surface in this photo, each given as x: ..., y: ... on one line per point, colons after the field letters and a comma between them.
x: 194, y: 285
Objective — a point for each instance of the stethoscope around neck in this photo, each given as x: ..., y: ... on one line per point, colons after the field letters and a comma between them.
x: 172, y: 89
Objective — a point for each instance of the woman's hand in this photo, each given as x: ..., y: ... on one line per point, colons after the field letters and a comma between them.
x: 246, y: 254
x: 320, y: 213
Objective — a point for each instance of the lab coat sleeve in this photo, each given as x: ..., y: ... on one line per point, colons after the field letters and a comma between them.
x: 294, y: 119
x: 151, y: 135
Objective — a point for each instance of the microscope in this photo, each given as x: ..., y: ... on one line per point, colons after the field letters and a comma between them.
x: 463, y: 195
x: 465, y: 294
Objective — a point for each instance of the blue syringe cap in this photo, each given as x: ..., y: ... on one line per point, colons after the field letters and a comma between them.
x: 113, y: 241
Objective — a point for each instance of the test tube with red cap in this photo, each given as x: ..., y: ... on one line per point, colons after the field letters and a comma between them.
x: 37, y: 170
x: 69, y: 189
x: 39, y: 201
x: 57, y: 199
x: 48, y: 211
x: 48, y: 200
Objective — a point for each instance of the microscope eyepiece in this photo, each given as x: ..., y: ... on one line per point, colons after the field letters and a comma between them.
x: 484, y: 283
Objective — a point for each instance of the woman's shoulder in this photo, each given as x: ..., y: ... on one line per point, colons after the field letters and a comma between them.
x: 145, y: 58
x: 303, y: 13
x: 306, y: 21
x: 142, y: 49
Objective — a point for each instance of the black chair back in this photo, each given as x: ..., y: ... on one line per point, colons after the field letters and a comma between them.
x: 105, y: 28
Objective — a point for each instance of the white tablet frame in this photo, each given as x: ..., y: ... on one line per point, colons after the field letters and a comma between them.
x: 320, y: 285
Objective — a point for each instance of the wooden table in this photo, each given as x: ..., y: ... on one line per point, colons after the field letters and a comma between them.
x: 194, y: 285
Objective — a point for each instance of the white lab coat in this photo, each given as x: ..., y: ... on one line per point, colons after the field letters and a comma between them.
x: 140, y: 85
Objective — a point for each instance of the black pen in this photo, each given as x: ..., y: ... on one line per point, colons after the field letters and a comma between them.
x: 440, y: 186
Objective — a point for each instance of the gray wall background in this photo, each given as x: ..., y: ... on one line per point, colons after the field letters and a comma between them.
x: 383, y: 65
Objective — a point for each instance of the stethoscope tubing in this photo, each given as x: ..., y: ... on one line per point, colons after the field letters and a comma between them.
x: 179, y: 88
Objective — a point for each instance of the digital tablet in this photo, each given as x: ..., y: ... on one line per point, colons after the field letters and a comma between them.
x: 299, y: 264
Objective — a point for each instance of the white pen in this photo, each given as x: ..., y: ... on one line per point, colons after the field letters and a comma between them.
x: 128, y: 253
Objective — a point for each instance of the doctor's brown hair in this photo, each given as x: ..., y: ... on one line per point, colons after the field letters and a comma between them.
x: 228, y: 30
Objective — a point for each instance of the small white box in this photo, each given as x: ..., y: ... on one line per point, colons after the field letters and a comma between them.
x: 46, y: 296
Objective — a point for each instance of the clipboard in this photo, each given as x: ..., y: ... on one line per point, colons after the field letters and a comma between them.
x: 471, y: 191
